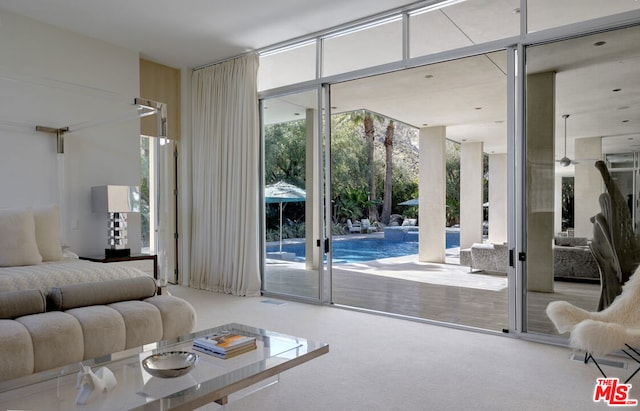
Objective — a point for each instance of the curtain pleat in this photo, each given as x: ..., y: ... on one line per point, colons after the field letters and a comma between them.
x: 225, y: 172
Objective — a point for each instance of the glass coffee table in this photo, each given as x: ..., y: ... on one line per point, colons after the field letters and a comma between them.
x: 212, y: 380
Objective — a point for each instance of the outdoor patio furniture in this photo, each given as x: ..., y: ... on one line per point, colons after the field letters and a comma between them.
x: 353, y: 228
x: 569, y: 263
x: 367, y: 227
x: 486, y: 257
x: 574, y: 263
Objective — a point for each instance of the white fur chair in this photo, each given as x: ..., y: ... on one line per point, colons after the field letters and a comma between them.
x: 616, y: 328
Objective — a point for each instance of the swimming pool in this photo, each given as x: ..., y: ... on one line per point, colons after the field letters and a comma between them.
x: 355, y: 250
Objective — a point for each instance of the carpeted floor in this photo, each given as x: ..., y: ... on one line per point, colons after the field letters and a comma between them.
x: 381, y: 363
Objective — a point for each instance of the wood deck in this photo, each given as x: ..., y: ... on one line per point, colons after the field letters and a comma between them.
x: 439, y: 292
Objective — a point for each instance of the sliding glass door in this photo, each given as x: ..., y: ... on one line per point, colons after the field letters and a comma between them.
x: 577, y: 115
x: 419, y: 188
x: 293, y: 218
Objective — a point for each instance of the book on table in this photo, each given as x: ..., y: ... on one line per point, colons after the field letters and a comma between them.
x: 225, y: 345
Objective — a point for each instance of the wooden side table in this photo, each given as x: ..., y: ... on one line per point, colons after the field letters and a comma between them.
x: 132, y: 257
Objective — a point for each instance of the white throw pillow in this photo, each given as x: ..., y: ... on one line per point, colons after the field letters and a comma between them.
x: 47, y: 220
x: 18, y: 244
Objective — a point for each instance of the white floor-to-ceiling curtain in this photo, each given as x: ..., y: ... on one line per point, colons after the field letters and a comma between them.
x: 225, y: 163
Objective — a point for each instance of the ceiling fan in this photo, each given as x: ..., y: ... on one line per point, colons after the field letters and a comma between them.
x: 565, y: 161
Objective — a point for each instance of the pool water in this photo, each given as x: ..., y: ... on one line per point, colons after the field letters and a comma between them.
x: 355, y: 250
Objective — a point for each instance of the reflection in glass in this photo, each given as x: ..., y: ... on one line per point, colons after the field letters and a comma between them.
x: 365, y: 47
x: 288, y: 66
x: 462, y: 24
x: 592, y: 84
x: 546, y: 14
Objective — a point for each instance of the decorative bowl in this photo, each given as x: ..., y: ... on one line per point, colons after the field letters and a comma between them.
x: 170, y: 364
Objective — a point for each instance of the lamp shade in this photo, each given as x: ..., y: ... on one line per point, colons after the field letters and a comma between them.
x: 115, y: 199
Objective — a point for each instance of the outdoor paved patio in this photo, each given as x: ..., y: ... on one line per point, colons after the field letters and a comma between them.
x: 439, y: 292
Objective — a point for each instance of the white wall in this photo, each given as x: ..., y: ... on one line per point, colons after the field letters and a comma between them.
x: 54, y: 78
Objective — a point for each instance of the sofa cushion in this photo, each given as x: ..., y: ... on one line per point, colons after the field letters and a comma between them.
x: 142, y: 320
x: 101, y: 293
x: 57, y: 339
x: 103, y: 330
x: 178, y: 316
x: 18, y: 244
x: 47, y: 221
x: 24, y: 302
x: 16, y: 350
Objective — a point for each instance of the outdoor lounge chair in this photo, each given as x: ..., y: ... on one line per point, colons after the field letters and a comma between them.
x: 367, y: 227
x: 353, y: 228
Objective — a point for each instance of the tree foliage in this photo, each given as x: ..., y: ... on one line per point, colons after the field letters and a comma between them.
x: 360, y: 161
x: 453, y: 183
x: 285, y: 153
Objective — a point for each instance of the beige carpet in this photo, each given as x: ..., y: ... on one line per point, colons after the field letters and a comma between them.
x: 380, y: 363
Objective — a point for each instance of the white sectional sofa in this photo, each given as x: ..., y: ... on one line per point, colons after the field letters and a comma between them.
x: 56, y: 309
x: 83, y: 321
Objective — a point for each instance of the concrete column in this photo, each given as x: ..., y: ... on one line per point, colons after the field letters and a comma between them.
x: 498, y: 198
x: 311, y: 215
x: 432, y: 198
x: 540, y: 180
x: 588, y: 184
x: 471, y: 172
x: 557, y: 204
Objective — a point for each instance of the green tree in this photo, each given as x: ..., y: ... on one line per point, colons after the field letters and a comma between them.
x: 368, y: 119
x: 285, y: 148
x: 453, y: 183
x: 285, y: 160
x: 388, y: 173
x: 568, y: 187
x: 144, y: 191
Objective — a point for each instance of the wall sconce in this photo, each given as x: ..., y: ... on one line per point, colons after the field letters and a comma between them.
x: 117, y: 201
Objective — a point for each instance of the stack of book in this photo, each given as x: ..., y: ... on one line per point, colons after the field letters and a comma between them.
x: 225, y: 345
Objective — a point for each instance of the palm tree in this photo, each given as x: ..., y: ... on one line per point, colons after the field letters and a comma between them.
x: 388, y: 172
x: 369, y: 135
x: 367, y: 119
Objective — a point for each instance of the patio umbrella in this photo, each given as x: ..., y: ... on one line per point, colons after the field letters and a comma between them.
x: 412, y: 202
x: 282, y: 192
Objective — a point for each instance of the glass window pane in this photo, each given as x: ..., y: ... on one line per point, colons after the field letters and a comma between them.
x: 546, y: 14
x: 292, y: 261
x: 623, y: 160
x: 462, y: 24
x: 411, y: 121
x: 585, y: 114
x: 290, y: 66
x: 368, y: 47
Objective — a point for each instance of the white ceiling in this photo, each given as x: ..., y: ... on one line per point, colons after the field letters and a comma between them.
x: 467, y: 96
x: 191, y: 33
